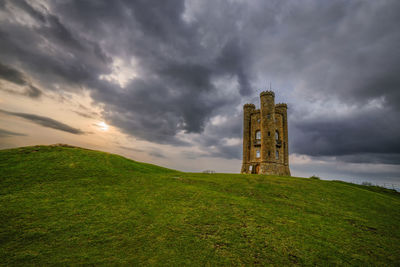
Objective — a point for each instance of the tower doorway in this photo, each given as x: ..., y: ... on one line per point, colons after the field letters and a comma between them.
x: 257, y: 169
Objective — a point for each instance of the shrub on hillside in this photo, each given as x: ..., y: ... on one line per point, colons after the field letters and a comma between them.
x: 367, y: 184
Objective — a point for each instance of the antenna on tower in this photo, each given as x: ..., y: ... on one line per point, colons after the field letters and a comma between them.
x: 270, y: 86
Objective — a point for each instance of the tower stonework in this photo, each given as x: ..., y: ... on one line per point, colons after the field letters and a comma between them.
x: 265, y: 137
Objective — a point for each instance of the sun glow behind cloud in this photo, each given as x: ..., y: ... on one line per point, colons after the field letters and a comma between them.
x: 102, y: 126
x: 122, y: 71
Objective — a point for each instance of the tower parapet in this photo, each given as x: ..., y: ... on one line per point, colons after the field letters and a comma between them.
x: 281, y: 105
x: 265, y: 137
x: 271, y: 93
x: 249, y: 106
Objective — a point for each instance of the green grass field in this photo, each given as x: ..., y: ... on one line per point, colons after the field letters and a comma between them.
x: 64, y: 205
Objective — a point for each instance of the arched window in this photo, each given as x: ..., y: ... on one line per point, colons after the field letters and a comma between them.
x: 277, y: 154
x: 276, y: 135
x: 258, y: 154
x: 258, y: 135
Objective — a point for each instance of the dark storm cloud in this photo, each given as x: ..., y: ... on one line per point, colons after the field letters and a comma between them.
x: 49, y: 51
x: 195, y: 60
x: 232, y: 60
x: 6, y: 133
x: 12, y: 75
x: 360, y: 60
x: 216, y: 136
x: 44, y: 121
x: 366, y: 137
x: 174, y: 91
x: 15, y: 76
x: 374, y: 158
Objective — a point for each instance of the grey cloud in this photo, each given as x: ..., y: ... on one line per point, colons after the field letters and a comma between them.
x: 156, y: 154
x: 22, y: 4
x: 373, y: 158
x: 68, y: 57
x: 15, y: 76
x: 30, y: 91
x: 364, y: 137
x: 45, y: 121
x: 131, y: 148
x: 12, y: 75
x: 83, y: 114
x: 232, y: 60
x: 193, y: 155
x: 176, y: 97
x: 33, y: 91
x: 227, y: 152
x: 86, y: 112
x: 174, y: 92
x: 6, y: 133
x: 213, y: 140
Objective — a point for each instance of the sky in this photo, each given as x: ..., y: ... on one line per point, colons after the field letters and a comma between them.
x: 164, y: 82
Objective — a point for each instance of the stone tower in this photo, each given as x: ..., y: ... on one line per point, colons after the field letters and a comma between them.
x: 265, y: 137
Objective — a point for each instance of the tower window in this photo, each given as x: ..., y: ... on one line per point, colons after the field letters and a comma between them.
x: 258, y: 135
x: 269, y: 134
x: 269, y: 153
x: 276, y: 135
x: 277, y: 155
x: 268, y: 116
x: 258, y: 120
x: 257, y: 153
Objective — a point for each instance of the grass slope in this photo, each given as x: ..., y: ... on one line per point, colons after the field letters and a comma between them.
x: 65, y: 205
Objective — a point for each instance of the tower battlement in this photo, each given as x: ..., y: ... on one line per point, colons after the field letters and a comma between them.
x: 249, y: 106
x: 267, y: 93
x: 281, y: 105
x: 265, y: 137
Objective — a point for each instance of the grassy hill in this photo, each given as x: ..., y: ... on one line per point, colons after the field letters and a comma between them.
x: 66, y: 205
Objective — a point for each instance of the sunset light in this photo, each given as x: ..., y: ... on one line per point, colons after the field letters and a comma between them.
x: 102, y: 126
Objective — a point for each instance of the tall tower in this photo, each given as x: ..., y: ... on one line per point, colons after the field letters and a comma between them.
x: 265, y: 137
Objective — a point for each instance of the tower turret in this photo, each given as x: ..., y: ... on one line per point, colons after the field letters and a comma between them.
x: 267, y: 114
x: 247, y: 110
x: 282, y: 129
